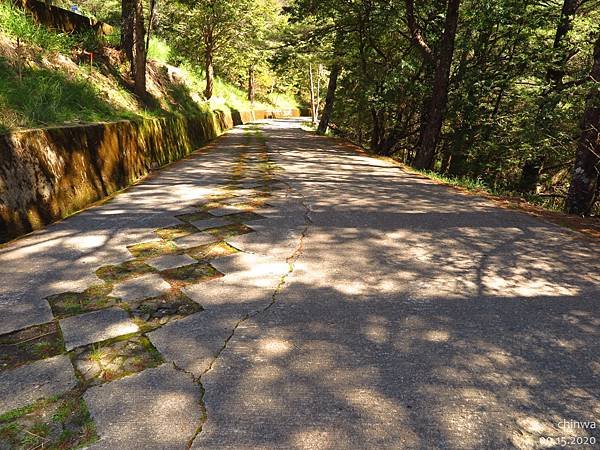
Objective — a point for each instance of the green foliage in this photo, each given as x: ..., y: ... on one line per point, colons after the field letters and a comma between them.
x: 58, y: 422
x: 464, y: 182
x: 88, y: 41
x: 238, y: 35
x: 550, y: 202
x: 282, y: 100
x: 16, y: 413
x: 503, y: 112
x: 159, y: 50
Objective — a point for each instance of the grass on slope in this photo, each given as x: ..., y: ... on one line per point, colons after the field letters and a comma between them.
x: 14, y: 23
x: 46, y: 79
x: 283, y: 100
x: 34, y: 88
x: 159, y: 50
x: 44, y: 97
x: 552, y: 203
x: 225, y: 94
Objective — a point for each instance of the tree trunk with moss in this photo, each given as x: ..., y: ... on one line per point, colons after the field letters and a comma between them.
x: 438, y: 99
x: 139, y: 50
x: 210, y: 74
x: 586, y: 172
x: 251, y: 84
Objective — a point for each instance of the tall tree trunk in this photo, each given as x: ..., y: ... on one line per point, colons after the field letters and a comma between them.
x: 251, y: 84
x: 127, y: 30
x: 210, y: 72
x: 139, y: 50
x: 556, y: 71
x: 318, y: 99
x: 585, y: 183
x: 313, y: 111
x: 329, y: 98
x: 150, y: 24
x: 378, y: 129
x: 439, y: 93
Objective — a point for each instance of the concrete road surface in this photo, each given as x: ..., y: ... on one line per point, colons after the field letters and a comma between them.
x: 324, y: 299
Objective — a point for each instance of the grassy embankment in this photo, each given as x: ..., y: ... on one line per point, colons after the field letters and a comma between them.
x: 46, y: 79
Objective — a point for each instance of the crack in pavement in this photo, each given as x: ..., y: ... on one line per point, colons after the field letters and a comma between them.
x: 290, y: 260
x: 202, y: 406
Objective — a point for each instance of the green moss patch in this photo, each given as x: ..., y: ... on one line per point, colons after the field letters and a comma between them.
x: 247, y: 216
x: 211, y: 251
x: 237, y: 174
x: 115, y: 359
x: 123, y: 271
x: 176, y: 231
x: 219, y: 197
x: 270, y: 167
x: 154, y: 312
x: 249, y: 204
x: 192, y: 274
x: 57, y: 423
x: 229, y: 231
x: 152, y: 249
x: 24, y: 346
x: 73, y: 303
x: 192, y: 217
x: 206, y: 207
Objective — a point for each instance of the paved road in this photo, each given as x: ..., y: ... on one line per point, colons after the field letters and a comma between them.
x: 367, y: 308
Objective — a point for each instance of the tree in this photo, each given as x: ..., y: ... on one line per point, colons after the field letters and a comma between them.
x: 251, y: 83
x: 556, y: 71
x: 329, y: 98
x: 435, y: 104
x: 151, y: 19
x: 585, y: 181
x: 139, y: 50
x: 127, y: 29
x: 212, y: 26
x: 320, y: 32
x: 314, y: 96
x: 133, y: 42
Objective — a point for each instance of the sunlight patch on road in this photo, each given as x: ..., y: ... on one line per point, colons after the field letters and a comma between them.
x: 520, y: 286
x: 86, y: 242
x: 314, y: 439
x: 275, y: 347
x: 437, y: 336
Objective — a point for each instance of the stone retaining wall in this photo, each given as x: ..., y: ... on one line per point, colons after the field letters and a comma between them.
x: 48, y: 174
x: 241, y: 117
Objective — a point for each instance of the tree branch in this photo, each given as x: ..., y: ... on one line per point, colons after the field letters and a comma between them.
x: 415, y: 32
